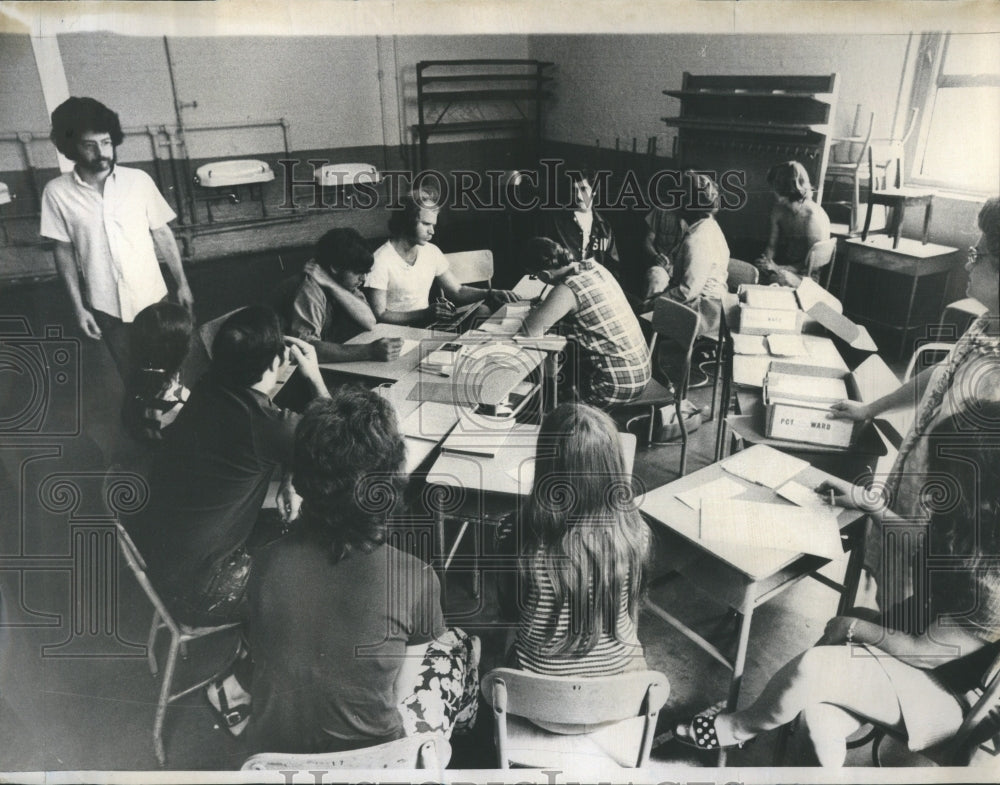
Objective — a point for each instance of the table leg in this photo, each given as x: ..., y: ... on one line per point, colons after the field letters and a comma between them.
x: 438, y: 550
x: 908, y: 317
x: 724, y: 400
x: 738, y: 665
x: 852, y: 574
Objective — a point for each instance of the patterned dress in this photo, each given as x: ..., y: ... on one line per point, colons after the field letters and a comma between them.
x: 957, y: 392
x: 614, y: 359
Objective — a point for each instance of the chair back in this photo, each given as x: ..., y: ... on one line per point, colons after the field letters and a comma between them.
x: 982, y: 721
x: 856, y: 145
x: 471, y: 266
x: 675, y: 326
x: 572, y: 700
x: 138, y: 567
x: 424, y: 751
x: 885, y: 162
x: 821, y: 255
x: 740, y: 273
x: 210, y: 329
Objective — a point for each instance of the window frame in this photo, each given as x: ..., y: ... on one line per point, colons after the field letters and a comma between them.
x: 928, y: 79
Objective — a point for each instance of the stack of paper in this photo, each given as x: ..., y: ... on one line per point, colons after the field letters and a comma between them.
x: 776, y: 297
x: 788, y: 345
x: 764, y: 465
x: 794, y: 389
x: 779, y: 527
x: 749, y: 344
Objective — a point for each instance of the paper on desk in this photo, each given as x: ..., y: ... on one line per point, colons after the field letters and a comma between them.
x: 719, y: 488
x: 767, y: 525
x: 519, y: 308
x: 523, y: 473
x: 409, y: 345
x: 764, y: 465
x: 799, y: 494
x: 786, y: 345
x: 429, y: 421
x: 748, y: 344
x: 506, y: 325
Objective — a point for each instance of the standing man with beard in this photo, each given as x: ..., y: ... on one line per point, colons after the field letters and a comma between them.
x: 108, y: 223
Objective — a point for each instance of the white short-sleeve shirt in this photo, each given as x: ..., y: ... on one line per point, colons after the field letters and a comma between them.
x: 111, y: 239
x: 407, y: 286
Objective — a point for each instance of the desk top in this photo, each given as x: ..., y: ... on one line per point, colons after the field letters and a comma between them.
x: 511, y: 471
x: 663, y: 508
x: 413, y: 338
x: 882, y: 243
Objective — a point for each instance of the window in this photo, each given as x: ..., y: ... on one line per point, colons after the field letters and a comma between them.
x: 957, y: 89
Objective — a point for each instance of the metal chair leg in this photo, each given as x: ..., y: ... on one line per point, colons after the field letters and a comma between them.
x: 161, y: 706
x: 154, y: 628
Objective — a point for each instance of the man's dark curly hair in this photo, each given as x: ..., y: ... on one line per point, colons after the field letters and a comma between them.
x: 348, y: 468
x: 77, y: 116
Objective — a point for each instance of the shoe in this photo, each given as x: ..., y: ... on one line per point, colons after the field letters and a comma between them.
x: 232, y: 719
x: 700, y: 733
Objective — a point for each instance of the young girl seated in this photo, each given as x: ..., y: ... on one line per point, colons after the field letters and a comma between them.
x: 160, y: 337
x: 797, y: 223
x: 580, y: 545
x: 612, y: 356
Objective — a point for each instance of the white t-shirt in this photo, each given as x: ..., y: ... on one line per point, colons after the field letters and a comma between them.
x: 407, y: 286
x: 111, y: 239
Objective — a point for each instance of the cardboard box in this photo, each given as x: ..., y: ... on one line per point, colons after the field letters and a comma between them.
x: 773, y: 309
x: 803, y: 419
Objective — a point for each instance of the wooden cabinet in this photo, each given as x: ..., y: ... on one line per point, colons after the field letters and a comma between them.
x: 744, y: 125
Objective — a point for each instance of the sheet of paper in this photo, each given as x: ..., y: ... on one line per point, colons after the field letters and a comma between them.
x: 506, y: 326
x: 749, y: 344
x: 519, y: 309
x: 764, y: 465
x: 786, y: 345
x: 774, y: 526
x: 799, y: 494
x: 408, y: 346
x: 524, y: 473
x: 719, y: 488
x: 429, y: 421
x: 487, y: 441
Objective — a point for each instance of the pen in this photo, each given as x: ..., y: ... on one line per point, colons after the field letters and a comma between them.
x: 436, y: 373
x: 832, y: 504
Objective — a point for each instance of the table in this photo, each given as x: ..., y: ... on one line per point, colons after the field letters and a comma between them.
x: 897, y: 289
x: 742, y: 577
x: 478, y: 488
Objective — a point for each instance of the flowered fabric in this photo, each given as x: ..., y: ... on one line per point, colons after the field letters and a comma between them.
x: 445, y: 692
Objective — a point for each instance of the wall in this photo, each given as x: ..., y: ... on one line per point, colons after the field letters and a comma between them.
x: 612, y: 85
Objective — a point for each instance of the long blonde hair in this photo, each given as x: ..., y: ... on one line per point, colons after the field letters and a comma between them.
x: 581, y: 527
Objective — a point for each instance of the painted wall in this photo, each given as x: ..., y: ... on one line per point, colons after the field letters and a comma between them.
x: 612, y: 86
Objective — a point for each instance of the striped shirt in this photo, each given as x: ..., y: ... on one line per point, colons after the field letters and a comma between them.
x: 613, y: 654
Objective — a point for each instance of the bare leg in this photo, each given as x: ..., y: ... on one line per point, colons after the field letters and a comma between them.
x: 839, y: 675
x: 829, y: 727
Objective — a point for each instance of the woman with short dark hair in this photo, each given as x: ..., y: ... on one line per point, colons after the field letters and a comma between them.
x: 349, y: 642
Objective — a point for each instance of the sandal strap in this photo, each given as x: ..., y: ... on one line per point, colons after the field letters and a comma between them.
x: 705, y: 736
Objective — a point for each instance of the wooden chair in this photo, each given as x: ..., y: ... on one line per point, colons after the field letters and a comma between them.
x: 885, y: 159
x: 821, y: 255
x: 855, y: 168
x: 615, y: 716
x: 180, y: 636
x: 676, y: 326
x: 424, y: 751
